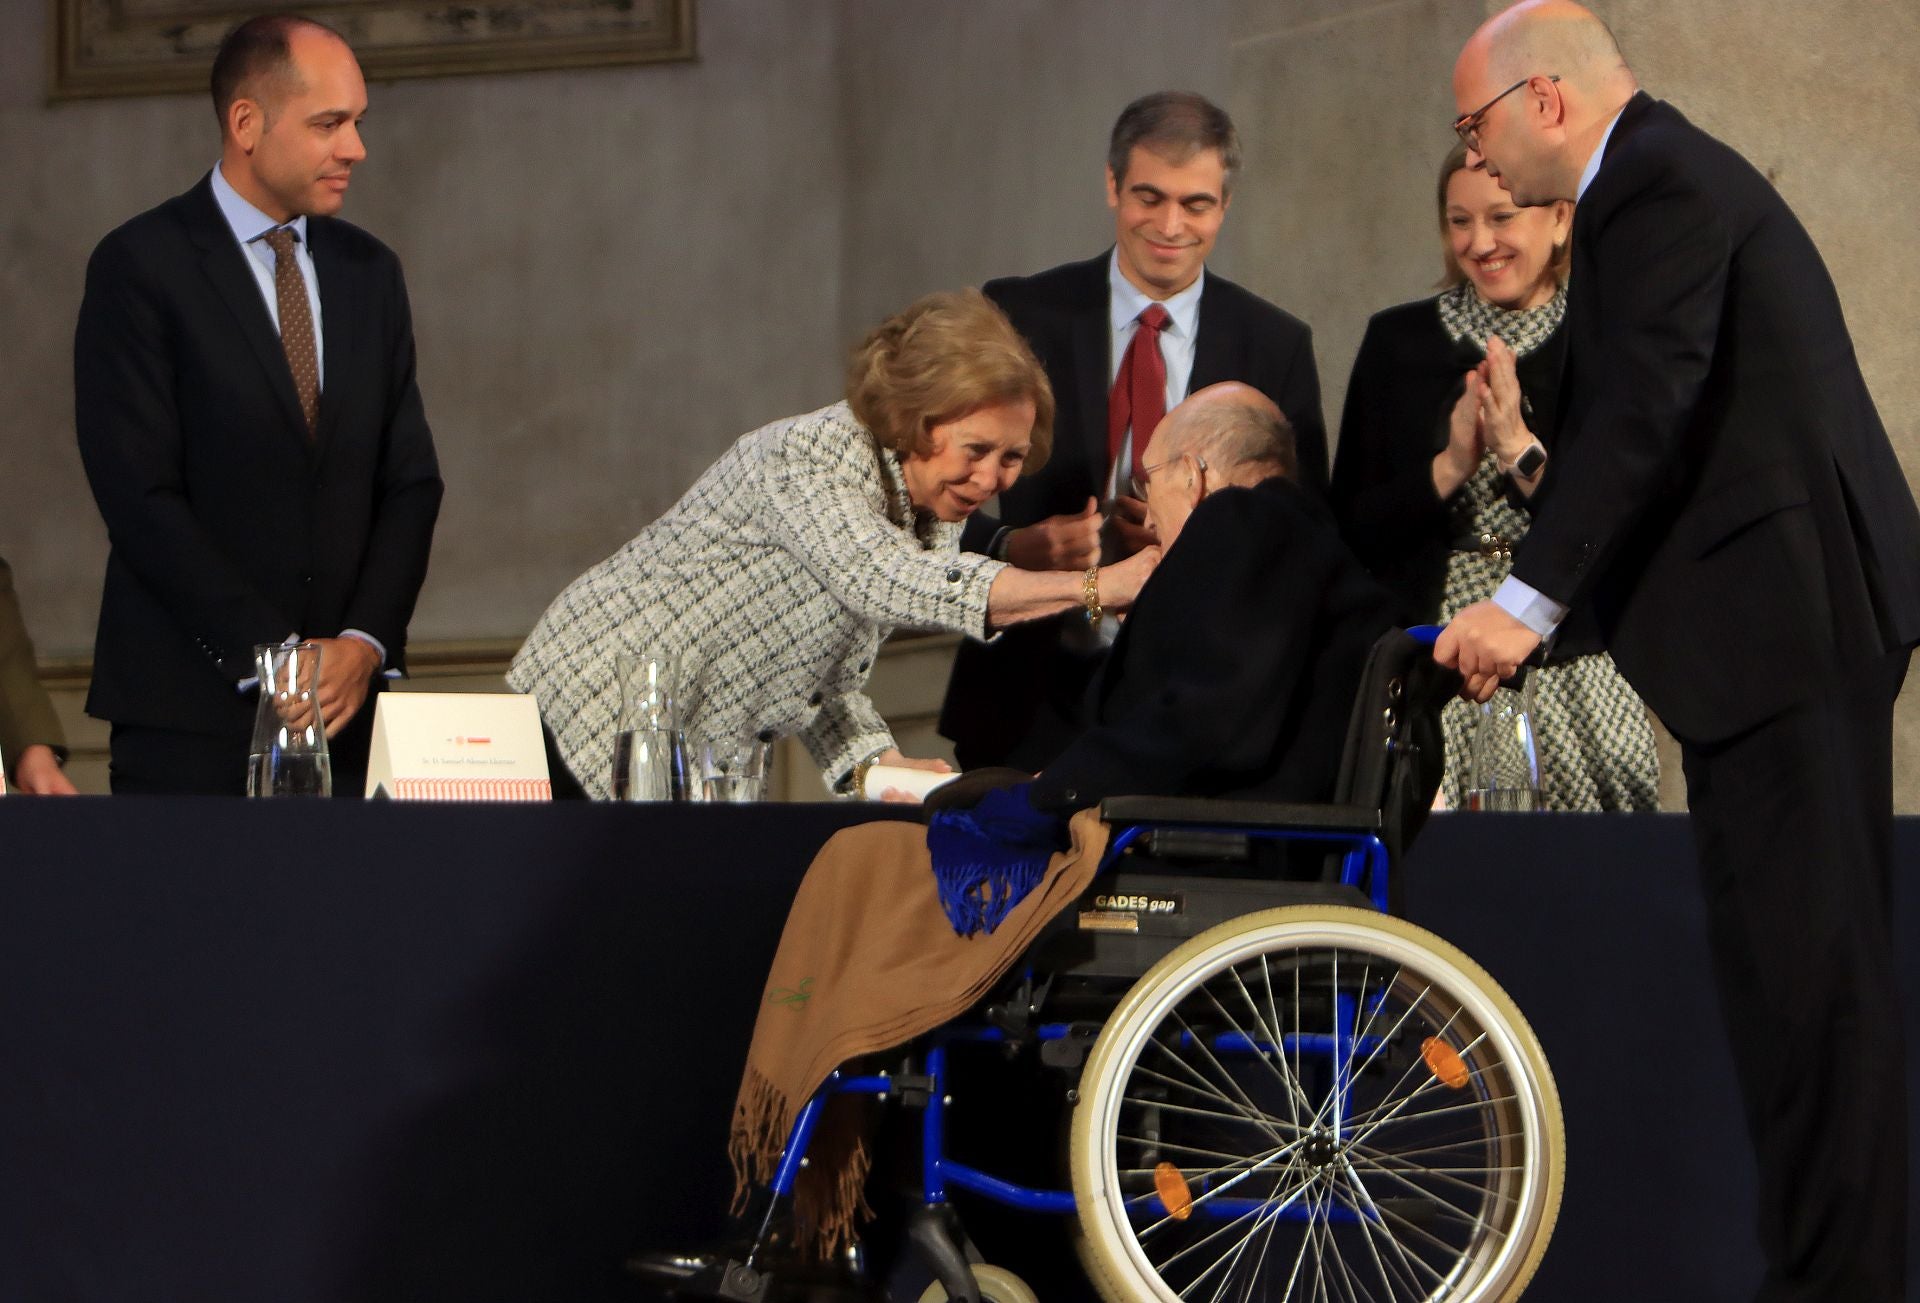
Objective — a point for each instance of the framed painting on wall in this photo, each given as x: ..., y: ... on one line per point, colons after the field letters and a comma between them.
x: 157, y: 47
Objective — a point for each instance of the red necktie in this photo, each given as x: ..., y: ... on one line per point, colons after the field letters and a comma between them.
x: 1139, y: 397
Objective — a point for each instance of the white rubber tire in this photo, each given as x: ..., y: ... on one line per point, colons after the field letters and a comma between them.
x: 1497, y: 1264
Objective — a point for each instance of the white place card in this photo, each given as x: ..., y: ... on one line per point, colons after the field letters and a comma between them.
x: 458, y: 746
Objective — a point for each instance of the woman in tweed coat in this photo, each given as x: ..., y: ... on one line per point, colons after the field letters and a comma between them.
x: 777, y: 575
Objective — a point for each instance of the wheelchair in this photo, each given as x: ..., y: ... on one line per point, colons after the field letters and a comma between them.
x: 1279, y: 1090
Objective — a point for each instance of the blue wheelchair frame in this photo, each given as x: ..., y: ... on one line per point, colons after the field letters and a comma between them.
x: 1366, y: 862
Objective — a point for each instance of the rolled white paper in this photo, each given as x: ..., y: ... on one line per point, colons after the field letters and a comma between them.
x: 917, y: 781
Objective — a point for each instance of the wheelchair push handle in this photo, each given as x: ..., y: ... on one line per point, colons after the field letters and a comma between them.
x: 1429, y: 634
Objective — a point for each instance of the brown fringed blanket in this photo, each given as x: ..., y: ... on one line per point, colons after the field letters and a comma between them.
x: 868, y: 961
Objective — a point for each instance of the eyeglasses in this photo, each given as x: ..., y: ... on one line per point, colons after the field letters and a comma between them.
x: 1467, y: 125
x: 1146, y: 471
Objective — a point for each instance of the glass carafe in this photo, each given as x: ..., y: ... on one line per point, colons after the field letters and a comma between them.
x: 649, y: 750
x: 1503, y: 770
x: 289, y: 752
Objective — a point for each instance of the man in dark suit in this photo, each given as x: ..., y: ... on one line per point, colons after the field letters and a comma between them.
x: 1722, y: 494
x: 1235, y: 672
x: 31, y: 742
x: 248, y: 418
x: 1138, y: 327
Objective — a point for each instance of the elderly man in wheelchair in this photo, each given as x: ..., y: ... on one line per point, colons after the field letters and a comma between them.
x: 1278, y: 1090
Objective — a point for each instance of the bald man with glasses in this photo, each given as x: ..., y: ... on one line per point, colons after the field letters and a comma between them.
x: 1724, y: 497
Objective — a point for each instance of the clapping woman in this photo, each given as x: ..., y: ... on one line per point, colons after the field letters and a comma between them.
x: 1442, y: 447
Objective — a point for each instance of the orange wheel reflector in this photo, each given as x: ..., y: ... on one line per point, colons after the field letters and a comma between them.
x: 1174, y: 1191
x: 1444, y: 1062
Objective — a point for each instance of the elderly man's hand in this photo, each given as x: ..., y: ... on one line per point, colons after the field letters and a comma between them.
x: 1486, y: 645
x: 1129, y: 527
x: 1058, y: 542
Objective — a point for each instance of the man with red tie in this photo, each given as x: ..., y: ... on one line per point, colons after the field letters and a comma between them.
x: 1124, y: 338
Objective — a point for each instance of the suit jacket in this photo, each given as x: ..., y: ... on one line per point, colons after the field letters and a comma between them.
x: 229, y: 525
x: 1721, y: 486
x: 1236, y: 672
x: 26, y: 714
x: 996, y: 696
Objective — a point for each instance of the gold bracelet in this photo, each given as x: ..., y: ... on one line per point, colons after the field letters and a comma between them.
x: 857, y: 780
x: 1090, y: 593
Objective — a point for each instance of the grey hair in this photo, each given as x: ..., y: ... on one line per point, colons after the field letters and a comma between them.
x: 1231, y: 434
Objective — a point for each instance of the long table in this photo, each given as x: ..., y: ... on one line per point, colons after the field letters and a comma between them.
x: 337, y: 1052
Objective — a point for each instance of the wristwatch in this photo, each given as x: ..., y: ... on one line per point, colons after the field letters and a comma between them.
x: 1528, y: 463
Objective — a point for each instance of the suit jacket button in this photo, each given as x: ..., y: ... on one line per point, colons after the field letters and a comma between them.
x: 814, y: 700
x: 953, y: 575
x: 1070, y: 796
x: 865, y: 666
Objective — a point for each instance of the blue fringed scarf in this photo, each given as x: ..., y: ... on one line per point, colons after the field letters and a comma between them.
x: 986, y: 859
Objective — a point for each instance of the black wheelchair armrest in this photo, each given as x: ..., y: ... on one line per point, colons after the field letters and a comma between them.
x: 1187, y: 812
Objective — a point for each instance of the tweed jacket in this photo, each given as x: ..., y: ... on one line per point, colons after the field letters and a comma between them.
x: 774, y: 580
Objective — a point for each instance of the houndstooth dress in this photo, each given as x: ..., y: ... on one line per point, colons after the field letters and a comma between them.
x: 774, y: 580
x: 1592, y: 735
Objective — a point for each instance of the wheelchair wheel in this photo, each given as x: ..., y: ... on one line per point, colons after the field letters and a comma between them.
x: 997, y: 1285
x: 1316, y: 1102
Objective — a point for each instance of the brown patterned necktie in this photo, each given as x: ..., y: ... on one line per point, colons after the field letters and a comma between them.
x: 296, y: 323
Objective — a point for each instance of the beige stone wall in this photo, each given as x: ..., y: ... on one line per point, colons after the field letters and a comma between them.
x: 613, y: 273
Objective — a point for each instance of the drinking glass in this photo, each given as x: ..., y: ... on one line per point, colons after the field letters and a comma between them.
x: 288, y: 756
x: 649, y: 751
x: 731, y: 769
x: 1503, y: 761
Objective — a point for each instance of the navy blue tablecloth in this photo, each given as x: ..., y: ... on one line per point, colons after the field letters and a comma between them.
x: 326, y: 1052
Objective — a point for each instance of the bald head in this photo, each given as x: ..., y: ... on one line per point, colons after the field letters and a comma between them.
x: 257, y: 61
x: 1235, y: 427
x: 1536, y: 87
x: 1559, y: 38
x: 1226, y: 434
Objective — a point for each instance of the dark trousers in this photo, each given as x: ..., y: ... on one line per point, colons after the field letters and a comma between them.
x: 164, y: 761
x: 1794, y: 826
